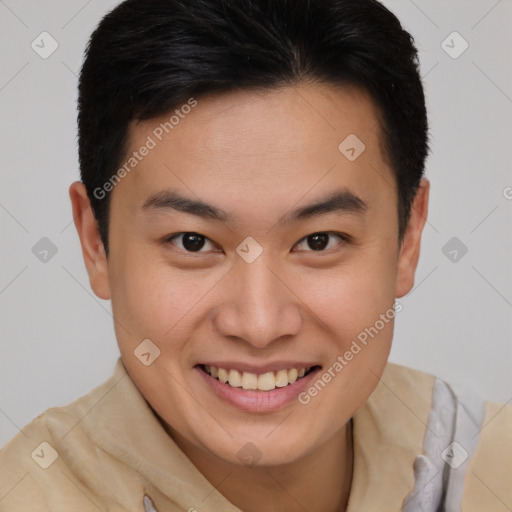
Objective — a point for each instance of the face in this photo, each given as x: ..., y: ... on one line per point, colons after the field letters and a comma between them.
x: 260, y: 278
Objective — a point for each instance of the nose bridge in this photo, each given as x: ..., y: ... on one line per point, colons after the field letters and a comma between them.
x: 262, y: 308
x: 262, y: 290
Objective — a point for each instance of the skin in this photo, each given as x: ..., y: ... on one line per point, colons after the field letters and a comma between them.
x: 258, y: 155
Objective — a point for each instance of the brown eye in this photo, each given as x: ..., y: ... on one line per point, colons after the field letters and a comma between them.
x: 319, y: 241
x: 190, y: 242
x: 193, y: 242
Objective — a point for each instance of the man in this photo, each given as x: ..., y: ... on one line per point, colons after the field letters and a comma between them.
x: 252, y: 202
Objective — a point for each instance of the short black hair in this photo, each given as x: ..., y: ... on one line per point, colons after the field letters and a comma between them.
x: 147, y: 57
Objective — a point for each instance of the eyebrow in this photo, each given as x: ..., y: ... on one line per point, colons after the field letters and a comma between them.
x: 340, y: 201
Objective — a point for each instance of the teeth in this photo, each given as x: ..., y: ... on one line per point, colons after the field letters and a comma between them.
x: 282, y: 379
x: 223, y: 375
x: 250, y: 381
x: 235, y: 379
x: 266, y: 381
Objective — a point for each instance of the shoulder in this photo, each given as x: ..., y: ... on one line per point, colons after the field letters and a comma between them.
x: 36, y: 473
x: 403, y: 375
x: 405, y: 387
x: 467, y: 441
x: 47, y: 466
x: 487, y: 482
x: 20, y: 460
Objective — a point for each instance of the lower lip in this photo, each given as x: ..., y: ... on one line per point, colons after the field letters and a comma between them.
x: 258, y: 401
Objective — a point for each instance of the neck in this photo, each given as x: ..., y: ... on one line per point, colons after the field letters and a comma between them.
x: 321, y: 480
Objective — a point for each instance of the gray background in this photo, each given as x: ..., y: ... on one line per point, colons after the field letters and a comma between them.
x: 57, y: 339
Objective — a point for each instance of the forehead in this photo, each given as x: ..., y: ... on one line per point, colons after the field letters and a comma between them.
x: 250, y: 146
x: 239, y: 121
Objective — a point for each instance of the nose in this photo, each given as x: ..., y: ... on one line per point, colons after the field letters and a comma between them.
x: 260, y: 306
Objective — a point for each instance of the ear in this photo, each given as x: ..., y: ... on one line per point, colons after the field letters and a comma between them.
x: 92, y: 247
x: 410, y: 249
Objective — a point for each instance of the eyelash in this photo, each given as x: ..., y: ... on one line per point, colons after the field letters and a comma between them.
x: 343, y: 237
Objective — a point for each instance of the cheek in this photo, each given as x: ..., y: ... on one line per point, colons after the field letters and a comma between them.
x: 350, y: 297
x: 153, y: 299
x: 355, y: 305
x: 142, y: 294
x: 357, y: 310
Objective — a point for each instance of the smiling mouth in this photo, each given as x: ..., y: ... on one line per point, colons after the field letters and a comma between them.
x: 252, y: 381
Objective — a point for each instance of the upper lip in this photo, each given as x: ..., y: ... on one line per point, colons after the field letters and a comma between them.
x: 261, y: 368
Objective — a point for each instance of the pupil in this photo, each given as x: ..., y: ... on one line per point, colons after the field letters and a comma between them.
x: 318, y: 241
x: 193, y: 242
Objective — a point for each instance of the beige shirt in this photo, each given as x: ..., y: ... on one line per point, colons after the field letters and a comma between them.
x: 107, y: 449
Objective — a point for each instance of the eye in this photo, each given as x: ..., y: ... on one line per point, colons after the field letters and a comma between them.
x: 190, y: 242
x: 320, y: 241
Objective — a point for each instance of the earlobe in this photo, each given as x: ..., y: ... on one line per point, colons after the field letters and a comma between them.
x: 93, y: 251
x: 410, y: 250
